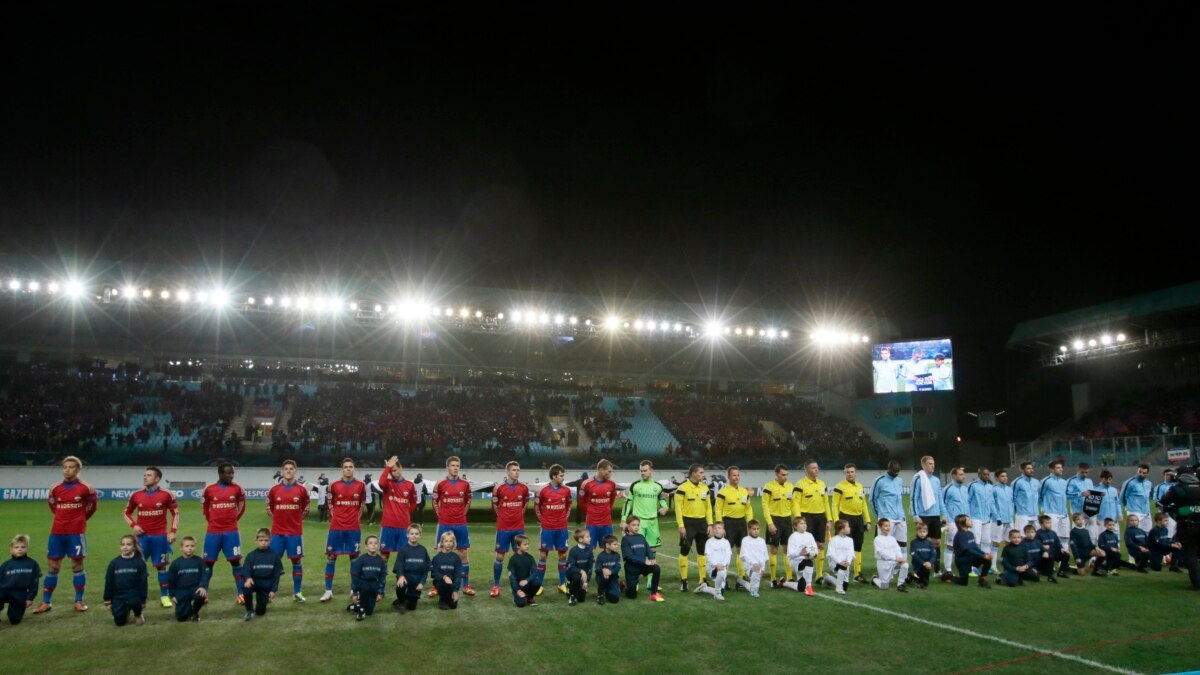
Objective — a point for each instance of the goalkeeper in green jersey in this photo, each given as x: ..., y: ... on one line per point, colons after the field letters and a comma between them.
x: 646, y: 499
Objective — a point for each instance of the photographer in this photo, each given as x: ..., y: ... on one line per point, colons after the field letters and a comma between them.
x: 1182, y: 502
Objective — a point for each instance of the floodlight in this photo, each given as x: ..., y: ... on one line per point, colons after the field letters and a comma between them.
x: 1063, y: 349
x: 449, y: 311
x: 74, y: 289
x: 771, y: 333
x: 184, y: 295
x: 637, y: 325
x: 865, y: 339
x: 378, y: 308
x: 202, y: 297
x: 53, y: 287
x: 1092, y: 342
x: 738, y: 330
x: 1106, y: 339
x: 33, y: 286
x: 545, y: 318
x: 1078, y: 345
x: 250, y: 300
x: 575, y: 320
x: 269, y: 301
x: 464, y: 312
x: 1120, y: 337
x: 478, y: 314
x: 558, y: 319
x: 219, y: 297
x: 302, y: 302
x: 784, y: 334
x: 285, y: 302
x: 516, y: 317
x: 14, y: 285
x: 165, y: 294
x: 500, y: 316
x: 611, y: 322
x: 129, y: 292
x: 146, y: 293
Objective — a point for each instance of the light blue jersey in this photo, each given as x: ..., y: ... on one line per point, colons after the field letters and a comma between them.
x: 1002, y: 503
x: 1160, y: 490
x: 1110, y: 505
x: 1135, y: 495
x: 1054, y: 495
x: 956, y: 500
x: 981, y: 503
x: 1025, y: 494
x: 1076, y: 486
x: 917, y: 501
x: 887, y: 498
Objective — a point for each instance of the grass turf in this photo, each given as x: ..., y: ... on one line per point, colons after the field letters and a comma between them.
x: 1141, y: 623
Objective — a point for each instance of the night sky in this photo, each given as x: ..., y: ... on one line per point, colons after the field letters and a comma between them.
x: 959, y: 172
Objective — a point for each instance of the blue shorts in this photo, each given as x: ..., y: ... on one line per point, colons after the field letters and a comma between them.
x: 504, y: 540
x: 554, y: 540
x: 599, y: 532
x: 392, y: 539
x: 73, y: 546
x: 462, y: 536
x: 216, y: 543
x: 343, y: 542
x: 156, y: 549
x: 288, y: 545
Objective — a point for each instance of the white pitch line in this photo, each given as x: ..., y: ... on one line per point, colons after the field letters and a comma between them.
x: 982, y: 636
x: 965, y: 632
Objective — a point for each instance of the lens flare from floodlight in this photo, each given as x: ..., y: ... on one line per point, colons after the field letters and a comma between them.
x: 784, y: 334
x: 1078, y: 345
x: 545, y: 318
x: 738, y: 330
x: 129, y: 292
x: 378, y: 308
x: 575, y: 321
x: 165, y: 295
x: 285, y: 302
x: 250, y: 300
x: 772, y: 333
x: 1063, y: 348
x: 219, y: 297
x: 449, y: 311
x: 637, y: 325
x: 53, y: 287
x: 712, y: 328
x: 202, y: 297
x: 184, y: 295
x: 478, y: 314
x: 559, y: 319
x: 319, y: 304
x: 587, y: 322
x: 1120, y: 337
x: 664, y: 326
x: 353, y: 307
x: 1092, y: 342
x: 464, y: 313
x: 866, y: 339
x: 269, y: 301
x: 625, y: 325
x: 678, y: 327
x: 1106, y: 339
x: 14, y: 285
x: 33, y: 286
x: 74, y: 289
x: 516, y: 317
x: 612, y: 322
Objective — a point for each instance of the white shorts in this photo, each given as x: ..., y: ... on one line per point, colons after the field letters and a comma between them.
x: 948, y: 533
x: 1000, y: 532
x: 900, y: 531
x: 1170, y: 527
x: 1022, y: 521
x: 1061, y: 526
x: 982, y: 529
x: 886, y: 568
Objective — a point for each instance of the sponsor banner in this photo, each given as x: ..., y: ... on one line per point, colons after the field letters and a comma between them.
x: 1179, y: 455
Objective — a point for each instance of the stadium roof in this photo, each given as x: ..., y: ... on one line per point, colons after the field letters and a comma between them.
x: 1140, y: 311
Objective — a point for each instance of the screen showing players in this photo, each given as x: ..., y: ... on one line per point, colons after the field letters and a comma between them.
x: 916, y: 365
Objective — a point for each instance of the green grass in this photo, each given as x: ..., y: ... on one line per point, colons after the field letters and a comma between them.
x: 1144, y: 623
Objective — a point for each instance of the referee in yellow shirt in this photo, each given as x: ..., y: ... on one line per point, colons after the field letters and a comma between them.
x: 809, y: 502
x: 694, y: 515
x: 850, y: 505
x: 777, y: 511
x: 735, y: 511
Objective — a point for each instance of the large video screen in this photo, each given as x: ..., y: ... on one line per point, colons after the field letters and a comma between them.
x: 916, y: 365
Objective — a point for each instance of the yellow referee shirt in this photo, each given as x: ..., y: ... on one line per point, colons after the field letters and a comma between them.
x: 777, y: 500
x: 809, y: 497
x: 734, y: 502
x: 848, y: 499
x: 691, y: 501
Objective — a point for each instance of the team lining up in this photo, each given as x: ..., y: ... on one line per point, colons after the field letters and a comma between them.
x: 1033, y: 517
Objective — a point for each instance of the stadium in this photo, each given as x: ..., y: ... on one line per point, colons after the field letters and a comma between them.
x: 628, y: 323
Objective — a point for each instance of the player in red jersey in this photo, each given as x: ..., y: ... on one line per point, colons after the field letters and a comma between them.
x: 152, y: 505
x: 287, y: 504
x: 596, y: 497
x: 508, y: 503
x: 553, y: 508
x: 451, y: 500
x: 399, y: 497
x: 346, y: 499
x: 223, y: 505
x: 72, y: 502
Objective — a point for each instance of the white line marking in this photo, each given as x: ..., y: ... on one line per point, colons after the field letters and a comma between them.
x: 982, y: 636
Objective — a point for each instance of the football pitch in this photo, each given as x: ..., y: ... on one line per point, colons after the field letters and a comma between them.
x: 1131, y: 623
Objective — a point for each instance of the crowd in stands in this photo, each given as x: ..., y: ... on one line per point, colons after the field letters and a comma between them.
x: 383, y: 421
x: 602, y: 425
x: 732, y: 427
x: 1166, y: 414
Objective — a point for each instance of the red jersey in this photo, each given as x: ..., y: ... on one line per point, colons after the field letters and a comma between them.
x: 597, y: 496
x: 223, y: 506
x: 508, y: 501
x: 152, y: 509
x: 345, y: 505
x: 287, y: 505
x: 553, y: 506
x: 72, y: 504
x: 451, y: 500
x: 399, y: 500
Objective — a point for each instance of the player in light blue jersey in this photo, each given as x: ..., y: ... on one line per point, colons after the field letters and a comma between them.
x: 1077, y: 486
x: 1160, y: 491
x: 1110, y: 504
x: 1135, y: 497
x: 1053, y: 498
x: 1002, y: 509
x: 981, y: 506
x: 1025, y: 493
x: 955, y: 499
x: 887, y: 501
x: 926, y: 502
